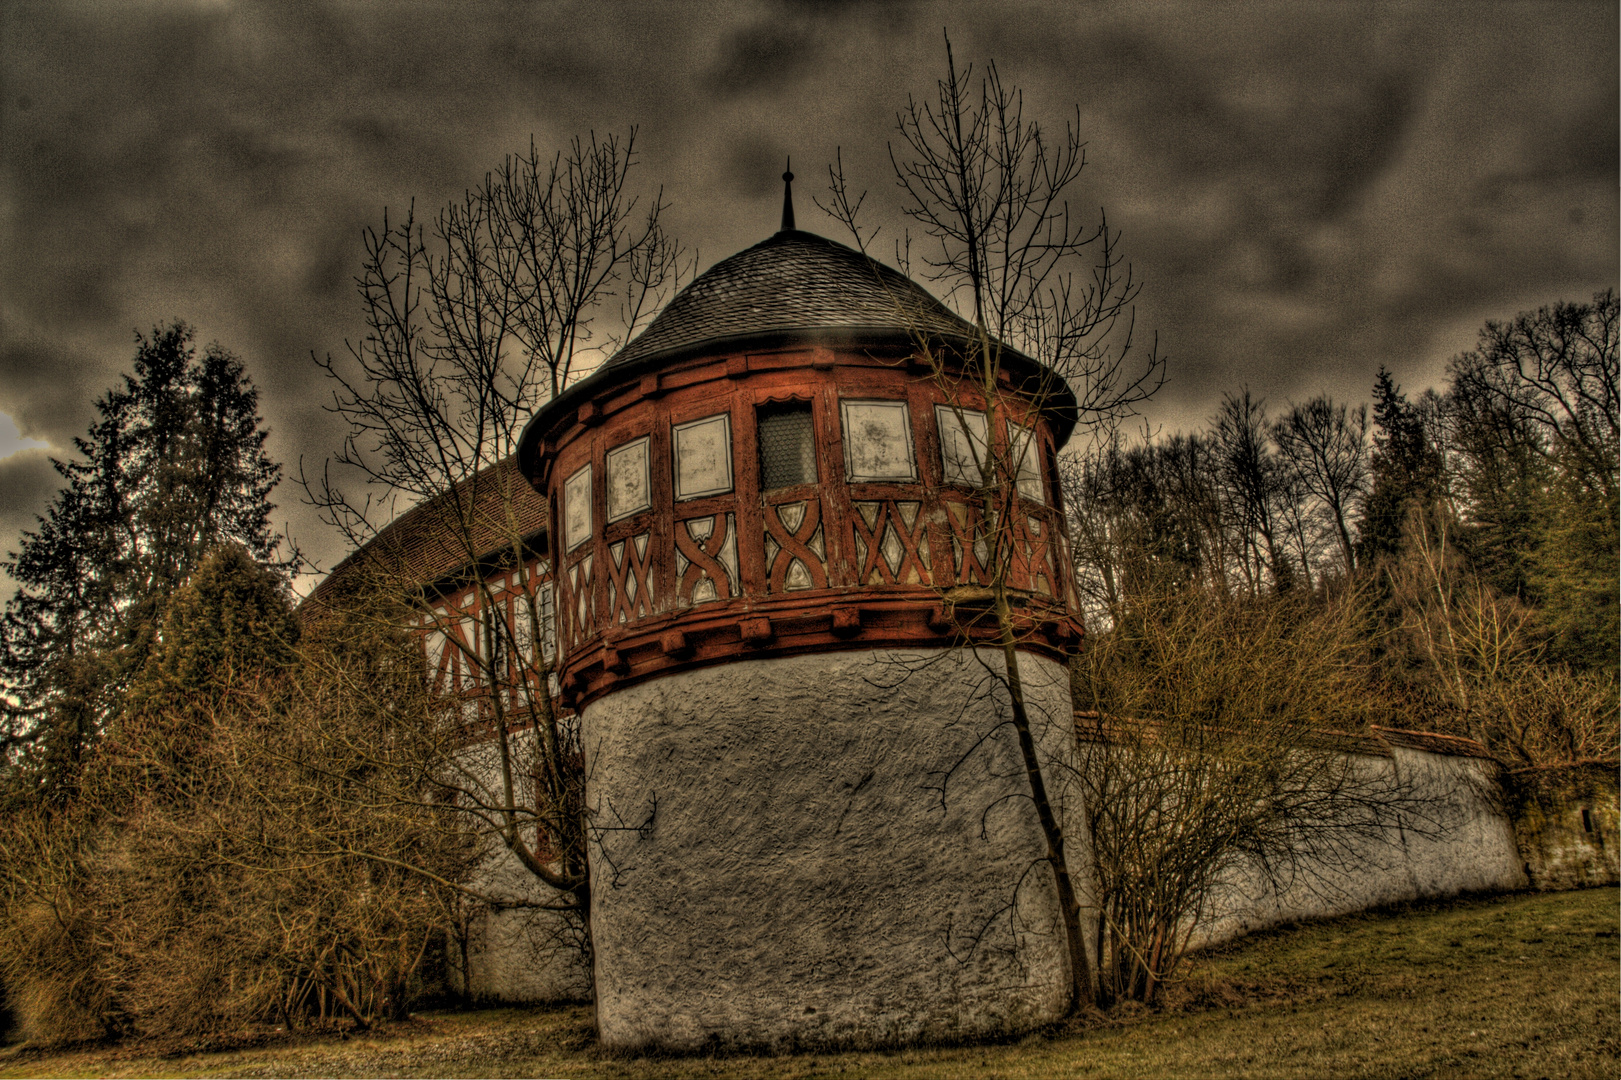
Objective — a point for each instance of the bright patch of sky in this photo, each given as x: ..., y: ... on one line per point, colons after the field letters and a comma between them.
x: 12, y: 441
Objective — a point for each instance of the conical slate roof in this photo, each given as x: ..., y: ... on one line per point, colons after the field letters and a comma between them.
x: 792, y: 281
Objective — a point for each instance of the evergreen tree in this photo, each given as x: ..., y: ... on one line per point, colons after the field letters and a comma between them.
x: 173, y: 466
x: 1573, y: 568
x: 1502, y: 479
x: 1406, y: 467
x: 224, y: 631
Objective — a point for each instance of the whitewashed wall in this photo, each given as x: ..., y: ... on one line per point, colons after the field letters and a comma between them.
x: 810, y: 850
x: 516, y: 954
x: 1462, y: 841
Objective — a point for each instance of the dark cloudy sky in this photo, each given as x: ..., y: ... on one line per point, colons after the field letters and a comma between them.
x: 1308, y: 190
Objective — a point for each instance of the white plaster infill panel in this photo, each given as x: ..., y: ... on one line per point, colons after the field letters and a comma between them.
x: 964, y: 446
x: 630, y: 487
x: 878, y: 442
x: 577, y: 508
x: 702, y: 457
x: 1023, y: 452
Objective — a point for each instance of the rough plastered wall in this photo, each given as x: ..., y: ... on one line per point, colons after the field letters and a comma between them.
x: 823, y: 850
x: 1458, y: 839
x: 1568, y: 823
x: 517, y: 954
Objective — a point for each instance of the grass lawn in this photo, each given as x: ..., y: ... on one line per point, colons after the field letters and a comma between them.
x: 1526, y: 985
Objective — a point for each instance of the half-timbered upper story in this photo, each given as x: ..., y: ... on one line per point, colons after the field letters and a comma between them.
x: 773, y: 468
x: 785, y: 461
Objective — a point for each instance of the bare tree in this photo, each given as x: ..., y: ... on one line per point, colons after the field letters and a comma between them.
x: 1252, y: 482
x: 988, y: 189
x: 1301, y: 523
x: 1148, y: 517
x: 1560, y: 368
x: 1326, y: 447
x: 473, y: 322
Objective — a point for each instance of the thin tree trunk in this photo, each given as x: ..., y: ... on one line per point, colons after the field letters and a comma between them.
x: 1081, y: 991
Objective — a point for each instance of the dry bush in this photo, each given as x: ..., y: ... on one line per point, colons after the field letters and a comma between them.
x: 1481, y: 665
x: 1204, y: 758
x: 52, y: 919
x: 1544, y: 716
x: 257, y: 839
x: 317, y: 871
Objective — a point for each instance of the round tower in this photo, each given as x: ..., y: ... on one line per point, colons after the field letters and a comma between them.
x: 810, y: 823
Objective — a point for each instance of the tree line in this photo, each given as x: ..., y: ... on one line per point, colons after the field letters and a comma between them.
x: 1478, y: 522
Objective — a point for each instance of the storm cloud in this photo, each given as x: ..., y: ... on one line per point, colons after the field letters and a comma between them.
x: 1307, y: 190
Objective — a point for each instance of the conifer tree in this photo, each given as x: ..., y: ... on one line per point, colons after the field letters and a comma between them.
x: 1406, y: 466
x: 173, y: 466
x: 224, y: 631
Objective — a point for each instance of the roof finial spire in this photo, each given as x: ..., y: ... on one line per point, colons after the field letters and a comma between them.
x: 788, y: 198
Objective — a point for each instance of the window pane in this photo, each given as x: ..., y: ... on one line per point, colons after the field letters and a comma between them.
x: 963, y: 449
x: 787, y: 448
x: 628, y: 484
x: 1024, y: 454
x: 877, y: 442
x: 577, y: 508
x: 703, y: 457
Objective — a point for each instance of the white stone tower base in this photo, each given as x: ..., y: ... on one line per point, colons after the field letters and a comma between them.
x: 826, y: 850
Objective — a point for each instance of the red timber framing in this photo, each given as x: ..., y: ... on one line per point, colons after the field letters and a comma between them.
x: 454, y: 644
x: 673, y: 582
x: 423, y: 553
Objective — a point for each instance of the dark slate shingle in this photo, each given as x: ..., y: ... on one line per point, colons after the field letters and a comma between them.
x: 793, y: 280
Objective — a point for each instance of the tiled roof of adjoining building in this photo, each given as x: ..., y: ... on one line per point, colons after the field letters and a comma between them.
x: 429, y: 545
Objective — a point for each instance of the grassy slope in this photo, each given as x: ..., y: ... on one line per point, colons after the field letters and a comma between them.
x: 1512, y: 986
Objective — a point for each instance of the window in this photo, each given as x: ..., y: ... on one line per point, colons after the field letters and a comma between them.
x: 787, y: 447
x: 878, y: 442
x: 629, y: 489
x: 703, y: 457
x: 963, y: 446
x: 1024, y: 457
x: 577, y: 508
x: 435, y: 641
x: 524, y: 628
